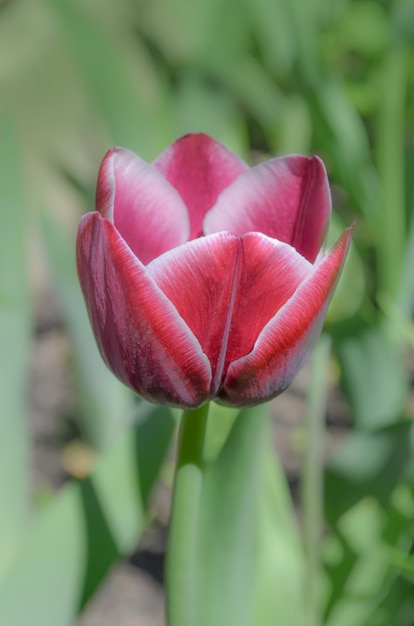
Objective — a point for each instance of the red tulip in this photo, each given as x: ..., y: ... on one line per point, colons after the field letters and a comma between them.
x: 202, y: 276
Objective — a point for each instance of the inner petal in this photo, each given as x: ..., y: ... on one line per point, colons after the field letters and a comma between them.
x: 147, y: 211
x: 199, y: 279
x: 286, y: 198
x: 199, y: 168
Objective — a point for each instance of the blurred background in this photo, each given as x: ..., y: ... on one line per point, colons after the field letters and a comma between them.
x: 81, y: 540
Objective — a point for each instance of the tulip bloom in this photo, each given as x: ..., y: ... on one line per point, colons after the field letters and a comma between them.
x: 203, y: 278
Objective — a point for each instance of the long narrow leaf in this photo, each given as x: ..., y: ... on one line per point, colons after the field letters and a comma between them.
x: 245, y: 509
x: 390, y: 157
x: 125, y: 110
x: 15, y: 345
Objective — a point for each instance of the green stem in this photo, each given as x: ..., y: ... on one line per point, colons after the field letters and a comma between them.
x: 182, y: 543
x: 312, y: 484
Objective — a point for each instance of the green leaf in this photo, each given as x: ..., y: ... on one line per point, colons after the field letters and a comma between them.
x: 244, y: 509
x: 231, y: 40
x: 350, y: 291
x: 368, y: 560
x: 15, y: 346
x: 79, y: 536
x: 45, y: 584
x: 303, y: 21
x: 365, y: 28
x: 373, y: 375
x: 340, y: 131
x: 361, y: 528
x: 402, y: 22
x: 198, y: 108
x: 181, y: 29
x: 254, y: 88
x: 390, y: 148
x: 270, y: 19
x: 227, y: 531
x: 295, y: 127
x: 279, y: 586
x: 368, y: 464
x: 313, y: 476
x: 115, y: 497
x: 219, y: 425
x: 406, y: 295
x: 126, y: 108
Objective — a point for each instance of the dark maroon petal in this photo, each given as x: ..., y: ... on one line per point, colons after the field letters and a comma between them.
x: 286, y: 198
x: 286, y: 341
x: 139, y: 332
x: 199, y: 168
x: 201, y: 280
x: 145, y: 209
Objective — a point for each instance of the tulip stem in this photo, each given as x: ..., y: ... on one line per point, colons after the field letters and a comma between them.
x: 183, y: 532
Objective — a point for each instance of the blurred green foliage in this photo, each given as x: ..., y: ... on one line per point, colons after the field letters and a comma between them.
x: 263, y: 77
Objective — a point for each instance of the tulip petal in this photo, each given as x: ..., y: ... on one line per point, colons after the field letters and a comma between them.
x: 286, y: 341
x: 140, y: 334
x: 227, y: 288
x: 199, y: 168
x: 286, y: 198
x: 145, y: 209
x: 201, y: 280
x: 270, y: 273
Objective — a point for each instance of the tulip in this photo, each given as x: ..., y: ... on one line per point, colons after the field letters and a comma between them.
x: 204, y: 278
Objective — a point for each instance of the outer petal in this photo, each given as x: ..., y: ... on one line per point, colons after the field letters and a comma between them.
x: 286, y: 341
x: 227, y: 288
x: 286, y: 198
x: 270, y: 273
x: 201, y: 280
x: 199, y: 168
x: 146, y: 210
x: 139, y: 332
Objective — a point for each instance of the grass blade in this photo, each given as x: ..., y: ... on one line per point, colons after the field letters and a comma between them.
x: 15, y: 345
x: 105, y: 71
